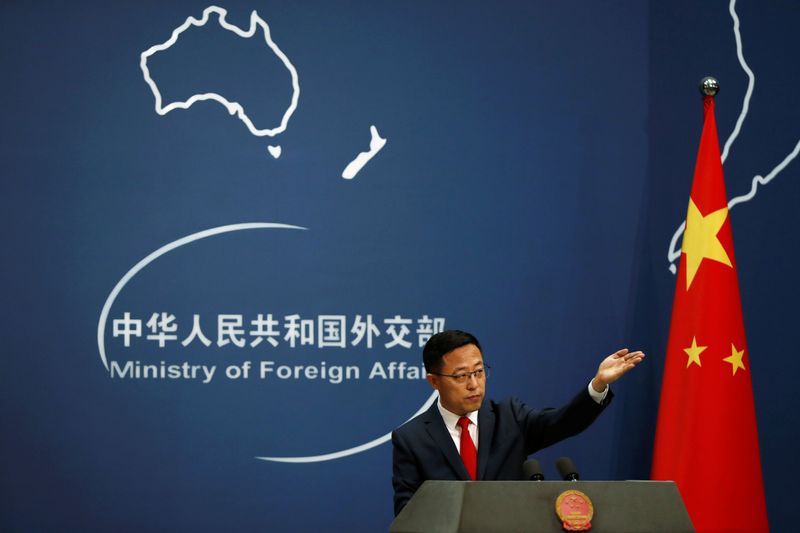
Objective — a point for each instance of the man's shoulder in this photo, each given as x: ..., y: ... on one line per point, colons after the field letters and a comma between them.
x: 417, y: 423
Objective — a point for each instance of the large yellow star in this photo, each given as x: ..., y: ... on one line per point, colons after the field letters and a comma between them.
x: 694, y: 352
x: 700, y: 239
x: 735, y: 359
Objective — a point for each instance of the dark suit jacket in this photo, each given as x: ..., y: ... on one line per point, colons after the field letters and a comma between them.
x: 508, y: 431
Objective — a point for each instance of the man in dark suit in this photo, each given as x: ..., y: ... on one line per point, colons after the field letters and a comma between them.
x: 462, y: 438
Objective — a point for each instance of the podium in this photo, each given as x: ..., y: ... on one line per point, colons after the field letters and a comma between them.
x: 529, y: 506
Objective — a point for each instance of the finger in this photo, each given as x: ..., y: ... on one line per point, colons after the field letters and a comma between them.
x: 620, y: 353
x: 634, y: 355
x: 630, y: 363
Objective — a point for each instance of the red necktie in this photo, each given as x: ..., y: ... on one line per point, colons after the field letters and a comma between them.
x: 468, y: 453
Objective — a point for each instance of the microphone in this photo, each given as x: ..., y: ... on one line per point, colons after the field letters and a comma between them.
x: 532, y: 470
x: 567, y: 469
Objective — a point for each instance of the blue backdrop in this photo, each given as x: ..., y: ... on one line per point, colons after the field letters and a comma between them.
x: 536, y: 168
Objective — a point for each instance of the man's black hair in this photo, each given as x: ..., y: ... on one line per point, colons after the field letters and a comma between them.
x: 443, y: 343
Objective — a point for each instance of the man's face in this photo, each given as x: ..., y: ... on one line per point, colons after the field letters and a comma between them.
x: 460, y: 398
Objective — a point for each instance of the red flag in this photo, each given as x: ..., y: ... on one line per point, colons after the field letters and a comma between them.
x: 706, y: 437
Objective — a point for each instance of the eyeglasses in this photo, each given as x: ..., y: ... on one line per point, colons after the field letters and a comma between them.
x: 463, y: 377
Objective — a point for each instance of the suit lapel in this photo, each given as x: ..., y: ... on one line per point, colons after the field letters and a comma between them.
x: 485, y: 434
x: 438, y: 432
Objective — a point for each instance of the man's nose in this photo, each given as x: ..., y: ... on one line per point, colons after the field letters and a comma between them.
x: 472, y: 381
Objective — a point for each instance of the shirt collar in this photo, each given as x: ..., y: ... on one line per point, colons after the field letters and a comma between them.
x: 451, y: 419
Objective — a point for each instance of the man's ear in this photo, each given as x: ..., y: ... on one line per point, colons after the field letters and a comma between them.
x: 433, y: 380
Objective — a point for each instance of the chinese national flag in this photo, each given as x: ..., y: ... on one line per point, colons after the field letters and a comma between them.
x: 706, y: 437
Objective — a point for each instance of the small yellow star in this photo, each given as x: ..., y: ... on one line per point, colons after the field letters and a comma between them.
x: 700, y: 239
x: 694, y: 352
x: 735, y: 359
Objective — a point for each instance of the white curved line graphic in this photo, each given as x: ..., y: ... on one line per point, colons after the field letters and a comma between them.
x: 234, y: 108
x: 349, y: 451
x: 101, y: 324
x: 674, y: 252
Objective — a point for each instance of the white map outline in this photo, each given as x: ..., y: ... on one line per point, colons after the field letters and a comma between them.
x: 376, y: 144
x: 674, y: 252
x: 234, y: 108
